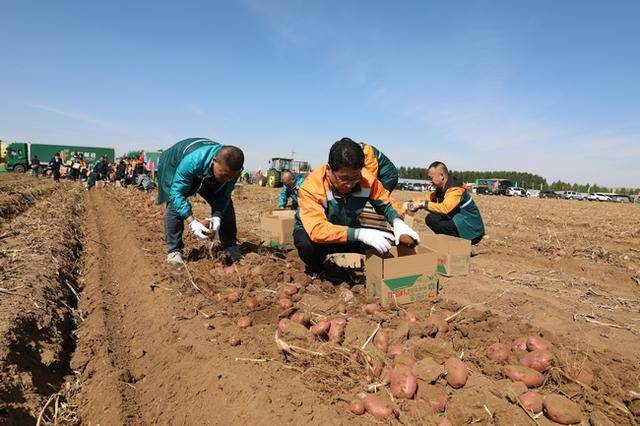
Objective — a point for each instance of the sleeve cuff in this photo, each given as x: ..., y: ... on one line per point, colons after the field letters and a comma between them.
x: 351, y: 234
x: 217, y: 214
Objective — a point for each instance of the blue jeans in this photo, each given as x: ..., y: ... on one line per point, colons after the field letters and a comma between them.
x: 174, y: 227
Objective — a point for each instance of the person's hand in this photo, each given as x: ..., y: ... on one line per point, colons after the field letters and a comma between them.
x: 198, y: 230
x: 379, y: 240
x: 214, y: 224
x: 401, y: 228
x: 414, y: 206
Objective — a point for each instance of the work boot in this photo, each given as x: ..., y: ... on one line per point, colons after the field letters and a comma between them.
x: 233, y: 253
x: 175, y: 258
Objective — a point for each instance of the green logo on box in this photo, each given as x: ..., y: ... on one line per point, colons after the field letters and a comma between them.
x: 396, y: 283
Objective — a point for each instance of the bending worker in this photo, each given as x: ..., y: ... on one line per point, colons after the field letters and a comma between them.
x: 205, y: 167
x: 290, y: 186
x: 376, y: 163
x: 451, y: 209
x: 331, y: 199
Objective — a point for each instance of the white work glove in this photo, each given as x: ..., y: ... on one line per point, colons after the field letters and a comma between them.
x: 379, y: 240
x: 401, y: 228
x: 199, y: 230
x: 214, y: 224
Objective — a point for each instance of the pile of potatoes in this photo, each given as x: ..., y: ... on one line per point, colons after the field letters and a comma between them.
x: 525, y: 362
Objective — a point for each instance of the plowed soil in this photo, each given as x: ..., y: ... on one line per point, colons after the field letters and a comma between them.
x: 148, y: 343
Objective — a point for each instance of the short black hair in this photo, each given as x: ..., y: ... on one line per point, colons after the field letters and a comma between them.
x: 346, y: 153
x: 231, y: 156
x: 440, y: 165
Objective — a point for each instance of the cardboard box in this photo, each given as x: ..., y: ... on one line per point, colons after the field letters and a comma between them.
x: 454, y: 254
x: 277, y: 231
x: 371, y: 219
x: 409, y: 274
x: 284, y: 213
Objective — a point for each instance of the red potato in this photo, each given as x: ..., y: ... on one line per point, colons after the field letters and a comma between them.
x: 378, y: 408
x: 385, y: 378
x: 410, y: 317
x: 439, y: 323
x: 320, y: 328
x: 539, y: 359
x: 296, y: 297
x: 535, y: 343
x: 229, y: 269
x: 301, y: 318
x: 582, y: 374
x: 234, y: 341
x: 282, y: 325
x: 285, y: 304
x: 336, y: 330
x: 561, y: 409
x: 233, y: 296
x: 357, y: 407
x: 380, y: 341
x: 395, y: 351
x: 372, y: 308
x: 290, y: 290
x: 526, y: 375
x: 498, y: 352
x: 342, y: 308
x: 251, y: 303
x: 403, y: 382
x: 375, y: 366
x: 244, y: 322
x: 520, y: 344
x: 456, y: 372
x: 532, y: 401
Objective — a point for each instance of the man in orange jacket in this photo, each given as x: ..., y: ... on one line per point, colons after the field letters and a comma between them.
x: 331, y: 200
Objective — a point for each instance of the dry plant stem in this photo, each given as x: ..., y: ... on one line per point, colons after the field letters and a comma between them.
x: 7, y: 291
x: 370, y: 337
x: 41, y: 415
x: 493, y: 299
x: 260, y: 360
x: 193, y: 282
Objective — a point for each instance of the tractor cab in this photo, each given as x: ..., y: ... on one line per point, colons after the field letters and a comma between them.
x: 278, y: 165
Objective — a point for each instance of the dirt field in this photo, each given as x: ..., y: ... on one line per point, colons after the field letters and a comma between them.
x: 147, y: 343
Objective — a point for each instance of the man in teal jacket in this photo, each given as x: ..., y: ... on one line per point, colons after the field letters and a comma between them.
x: 290, y: 185
x: 202, y: 166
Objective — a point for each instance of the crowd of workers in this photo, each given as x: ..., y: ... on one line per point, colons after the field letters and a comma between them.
x: 134, y: 169
x: 328, y: 201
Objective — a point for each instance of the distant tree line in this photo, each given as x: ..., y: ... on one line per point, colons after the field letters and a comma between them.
x: 523, y: 179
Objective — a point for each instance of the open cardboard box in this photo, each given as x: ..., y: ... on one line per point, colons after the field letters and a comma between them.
x: 283, y: 213
x: 404, y: 275
x: 454, y: 254
x: 277, y: 230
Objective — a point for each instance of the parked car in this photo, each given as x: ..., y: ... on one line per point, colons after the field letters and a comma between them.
x: 515, y: 191
x: 533, y: 193
x: 573, y: 195
x: 548, y: 194
x: 619, y: 198
x: 598, y: 196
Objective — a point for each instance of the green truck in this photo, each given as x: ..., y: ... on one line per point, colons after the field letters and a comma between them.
x: 19, y: 155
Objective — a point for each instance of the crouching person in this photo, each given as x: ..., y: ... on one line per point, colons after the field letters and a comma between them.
x: 450, y: 209
x: 331, y: 199
x: 201, y: 166
x: 290, y: 186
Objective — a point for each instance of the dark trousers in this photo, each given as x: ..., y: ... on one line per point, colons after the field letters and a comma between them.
x: 314, y: 254
x: 390, y: 185
x: 174, y: 227
x: 74, y: 174
x: 56, y: 175
x: 442, y: 224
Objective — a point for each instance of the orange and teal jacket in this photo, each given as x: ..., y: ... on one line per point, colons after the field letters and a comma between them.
x: 378, y: 164
x: 331, y: 217
x: 455, y: 201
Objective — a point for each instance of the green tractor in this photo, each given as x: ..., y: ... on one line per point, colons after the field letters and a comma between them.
x: 280, y: 165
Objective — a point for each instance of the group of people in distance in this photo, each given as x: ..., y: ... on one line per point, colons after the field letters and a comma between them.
x: 328, y: 201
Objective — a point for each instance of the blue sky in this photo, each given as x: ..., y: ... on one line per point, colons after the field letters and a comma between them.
x: 547, y: 87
